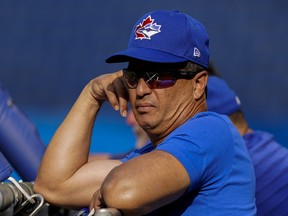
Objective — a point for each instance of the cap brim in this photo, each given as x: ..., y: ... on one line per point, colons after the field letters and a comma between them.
x: 145, y: 54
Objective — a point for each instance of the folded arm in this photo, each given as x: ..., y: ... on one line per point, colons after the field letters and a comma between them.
x: 65, y: 177
x: 143, y: 184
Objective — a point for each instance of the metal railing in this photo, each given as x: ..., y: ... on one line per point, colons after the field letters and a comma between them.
x: 19, y: 199
x: 16, y: 197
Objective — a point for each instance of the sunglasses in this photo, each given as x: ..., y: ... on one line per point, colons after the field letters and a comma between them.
x: 156, y: 79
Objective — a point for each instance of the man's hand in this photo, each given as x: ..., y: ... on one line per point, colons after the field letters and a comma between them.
x: 111, y: 87
x: 97, y: 201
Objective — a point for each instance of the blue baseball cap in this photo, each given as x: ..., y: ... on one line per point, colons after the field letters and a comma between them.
x: 220, y: 97
x: 165, y: 36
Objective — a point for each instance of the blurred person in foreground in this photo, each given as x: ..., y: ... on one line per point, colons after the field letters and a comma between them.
x: 270, y: 159
x: 196, y: 163
x: 20, y: 142
x: 141, y: 139
x: 140, y: 135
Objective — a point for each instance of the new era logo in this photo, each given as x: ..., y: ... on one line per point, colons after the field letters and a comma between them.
x: 196, y: 52
x: 147, y: 29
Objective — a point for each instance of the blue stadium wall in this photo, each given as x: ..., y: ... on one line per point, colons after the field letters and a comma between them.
x: 50, y: 49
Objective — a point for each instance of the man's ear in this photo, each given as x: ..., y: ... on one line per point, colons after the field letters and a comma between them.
x: 200, y: 84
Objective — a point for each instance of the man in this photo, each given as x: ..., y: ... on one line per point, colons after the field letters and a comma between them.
x: 196, y: 163
x: 270, y: 159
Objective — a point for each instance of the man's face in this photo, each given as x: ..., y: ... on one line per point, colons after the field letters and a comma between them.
x: 160, y: 109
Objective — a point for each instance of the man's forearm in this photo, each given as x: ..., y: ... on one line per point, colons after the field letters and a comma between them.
x: 68, y: 150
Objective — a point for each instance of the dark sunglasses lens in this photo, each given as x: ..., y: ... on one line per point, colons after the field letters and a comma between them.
x: 160, y: 81
x: 164, y: 83
x: 131, y: 78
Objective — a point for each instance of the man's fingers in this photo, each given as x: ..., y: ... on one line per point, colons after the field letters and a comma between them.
x: 96, y: 202
x: 118, y: 96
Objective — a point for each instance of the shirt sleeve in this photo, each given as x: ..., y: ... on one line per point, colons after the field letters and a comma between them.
x: 206, y: 152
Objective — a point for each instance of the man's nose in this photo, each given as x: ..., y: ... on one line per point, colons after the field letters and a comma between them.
x: 142, y: 88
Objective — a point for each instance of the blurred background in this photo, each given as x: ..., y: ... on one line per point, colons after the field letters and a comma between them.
x: 50, y: 49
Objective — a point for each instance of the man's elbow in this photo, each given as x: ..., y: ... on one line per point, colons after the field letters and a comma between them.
x: 42, y: 190
x: 49, y: 193
x: 122, y: 195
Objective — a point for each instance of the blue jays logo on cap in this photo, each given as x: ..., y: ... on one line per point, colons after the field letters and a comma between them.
x: 147, y: 29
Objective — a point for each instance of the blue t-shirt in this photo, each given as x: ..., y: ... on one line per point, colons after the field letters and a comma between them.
x: 222, y: 180
x: 270, y: 160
